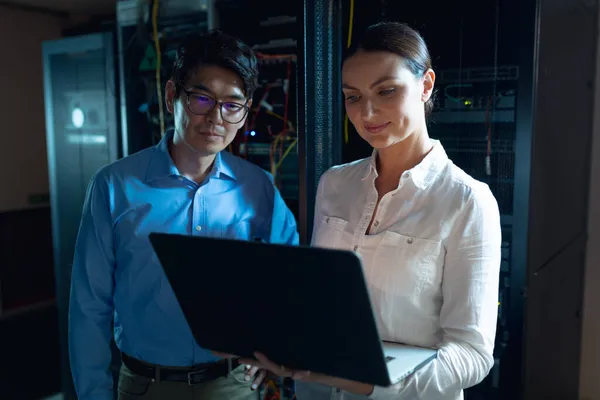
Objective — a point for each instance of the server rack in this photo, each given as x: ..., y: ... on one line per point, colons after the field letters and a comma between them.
x: 144, y: 67
x: 82, y: 135
x: 294, y: 130
x: 543, y: 221
x: 270, y: 136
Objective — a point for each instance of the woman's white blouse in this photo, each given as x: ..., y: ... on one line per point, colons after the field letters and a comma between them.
x: 432, y: 262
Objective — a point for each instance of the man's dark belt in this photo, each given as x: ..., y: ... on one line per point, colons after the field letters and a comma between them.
x: 193, y: 376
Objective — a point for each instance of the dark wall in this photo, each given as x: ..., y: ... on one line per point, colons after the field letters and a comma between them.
x: 26, y: 264
x: 29, y: 322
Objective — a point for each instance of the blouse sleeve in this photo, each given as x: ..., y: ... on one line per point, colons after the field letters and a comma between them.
x: 319, y: 203
x: 470, y: 307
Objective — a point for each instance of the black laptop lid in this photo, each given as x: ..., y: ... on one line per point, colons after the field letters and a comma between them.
x: 305, y: 308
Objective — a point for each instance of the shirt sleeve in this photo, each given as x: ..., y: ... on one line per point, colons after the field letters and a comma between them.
x: 284, y: 229
x: 469, y: 311
x: 91, y: 304
x: 319, y: 204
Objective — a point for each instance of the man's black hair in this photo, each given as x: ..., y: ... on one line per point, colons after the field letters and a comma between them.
x: 215, y: 48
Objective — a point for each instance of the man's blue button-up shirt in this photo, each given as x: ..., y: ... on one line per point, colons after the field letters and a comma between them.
x: 116, y: 275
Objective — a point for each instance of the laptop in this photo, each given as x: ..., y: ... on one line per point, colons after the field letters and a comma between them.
x: 305, y: 308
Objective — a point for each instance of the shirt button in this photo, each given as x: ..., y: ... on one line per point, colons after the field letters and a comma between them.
x: 327, y: 220
x: 355, y: 248
x: 409, y: 240
x: 375, y: 223
x: 198, y: 228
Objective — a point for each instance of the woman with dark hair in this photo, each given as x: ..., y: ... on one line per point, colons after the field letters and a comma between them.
x: 428, y: 233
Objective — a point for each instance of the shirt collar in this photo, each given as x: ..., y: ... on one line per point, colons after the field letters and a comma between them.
x: 422, y: 174
x: 162, y: 165
x: 223, y: 166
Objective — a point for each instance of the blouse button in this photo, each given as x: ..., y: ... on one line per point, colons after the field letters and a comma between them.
x: 409, y: 240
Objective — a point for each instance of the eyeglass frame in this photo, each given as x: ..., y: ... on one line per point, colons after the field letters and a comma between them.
x: 189, y: 93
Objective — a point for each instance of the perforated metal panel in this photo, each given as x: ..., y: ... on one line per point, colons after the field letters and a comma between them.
x: 319, y: 106
x: 81, y: 132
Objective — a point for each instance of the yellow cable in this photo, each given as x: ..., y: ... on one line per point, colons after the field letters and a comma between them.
x: 158, y: 61
x: 272, y: 153
x: 346, y: 128
x: 275, y: 115
x: 287, y: 151
x: 290, y: 127
x: 350, y: 23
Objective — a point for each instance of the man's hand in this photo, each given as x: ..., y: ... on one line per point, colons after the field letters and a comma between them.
x: 264, y: 363
x: 256, y: 374
x: 251, y: 372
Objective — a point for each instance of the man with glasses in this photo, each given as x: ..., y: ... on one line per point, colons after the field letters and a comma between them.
x: 186, y: 184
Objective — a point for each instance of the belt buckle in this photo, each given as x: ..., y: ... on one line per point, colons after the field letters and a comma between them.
x: 202, y: 373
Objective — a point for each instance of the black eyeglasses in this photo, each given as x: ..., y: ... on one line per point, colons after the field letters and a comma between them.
x: 201, y: 104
